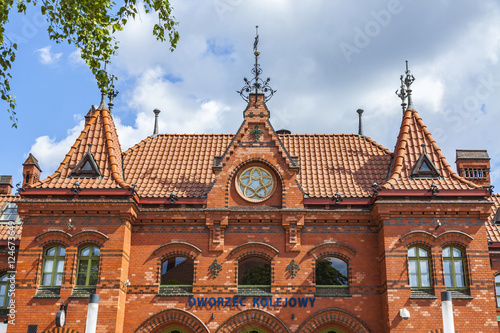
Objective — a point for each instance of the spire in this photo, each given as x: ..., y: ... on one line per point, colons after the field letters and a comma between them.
x: 257, y: 84
x: 112, y: 93
x: 103, y: 105
x: 360, y: 127
x: 405, y: 90
x: 156, y: 112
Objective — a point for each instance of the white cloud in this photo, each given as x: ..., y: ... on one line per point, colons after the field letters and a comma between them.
x: 75, y: 58
x: 318, y: 91
x: 51, y: 152
x: 46, y: 57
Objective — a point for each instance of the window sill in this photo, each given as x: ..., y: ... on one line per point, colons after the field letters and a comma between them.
x: 330, y: 291
x: 460, y: 294
x: 423, y: 294
x: 48, y: 292
x: 175, y: 291
x: 249, y: 291
x: 81, y: 292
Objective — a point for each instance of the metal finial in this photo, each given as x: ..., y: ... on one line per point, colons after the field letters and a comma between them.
x: 89, y: 145
x: 360, y: 127
x: 112, y: 93
x: 257, y: 84
x: 156, y: 112
x: 405, y: 91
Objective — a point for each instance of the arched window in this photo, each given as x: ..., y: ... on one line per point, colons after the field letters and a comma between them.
x: 174, y: 330
x: 4, y: 287
x: 331, y: 271
x: 419, y: 267
x: 332, y: 330
x: 454, y: 270
x: 53, y: 266
x: 177, y: 271
x: 253, y: 330
x: 88, y: 266
x: 497, y: 289
x: 254, y: 271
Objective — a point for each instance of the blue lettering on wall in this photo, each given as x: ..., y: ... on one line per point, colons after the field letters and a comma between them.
x: 256, y: 302
x: 302, y: 302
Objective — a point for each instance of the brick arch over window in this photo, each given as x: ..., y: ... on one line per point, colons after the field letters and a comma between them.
x: 158, y: 321
x: 418, y: 237
x: 90, y: 237
x: 54, y: 237
x: 61, y: 330
x: 177, y: 249
x: 251, y: 318
x: 254, y: 249
x: 332, y: 249
x: 321, y: 320
x: 451, y: 237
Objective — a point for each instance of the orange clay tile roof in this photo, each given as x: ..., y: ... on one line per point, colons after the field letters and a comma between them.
x: 100, y: 131
x: 182, y: 164
x: 492, y: 229
x: 412, y: 135
x: 4, y: 228
x: 348, y: 164
x: 174, y: 163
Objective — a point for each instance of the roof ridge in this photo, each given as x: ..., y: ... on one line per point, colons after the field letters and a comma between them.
x: 399, y: 149
x: 115, y: 172
x: 376, y: 144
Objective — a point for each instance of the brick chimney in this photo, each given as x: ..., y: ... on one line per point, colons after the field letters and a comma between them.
x: 31, y: 171
x: 474, y: 165
x: 5, y: 185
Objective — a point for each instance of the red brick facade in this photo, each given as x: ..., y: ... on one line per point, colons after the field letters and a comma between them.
x: 370, y: 229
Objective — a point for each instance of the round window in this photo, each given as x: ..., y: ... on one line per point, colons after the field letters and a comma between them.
x: 255, y: 184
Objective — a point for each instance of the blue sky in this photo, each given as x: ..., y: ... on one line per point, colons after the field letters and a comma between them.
x: 326, y: 59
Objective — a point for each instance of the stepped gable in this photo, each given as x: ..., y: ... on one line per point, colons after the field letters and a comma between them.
x: 345, y: 163
x: 414, y: 138
x: 105, y: 150
x: 256, y: 117
x: 178, y: 163
x: 492, y: 229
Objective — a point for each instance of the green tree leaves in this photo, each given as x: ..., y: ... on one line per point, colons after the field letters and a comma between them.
x: 90, y: 25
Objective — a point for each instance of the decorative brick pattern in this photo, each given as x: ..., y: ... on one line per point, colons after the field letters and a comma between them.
x: 172, y: 317
x: 253, y: 317
x: 332, y: 316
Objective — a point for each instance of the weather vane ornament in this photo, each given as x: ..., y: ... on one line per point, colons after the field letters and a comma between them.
x: 257, y: 84
x: 405, y: 91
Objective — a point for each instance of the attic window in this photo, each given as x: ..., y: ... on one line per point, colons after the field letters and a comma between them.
x: 424, y: 168
x: 87, y: 167
x: 497, y: 217
x: 8, y: 213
